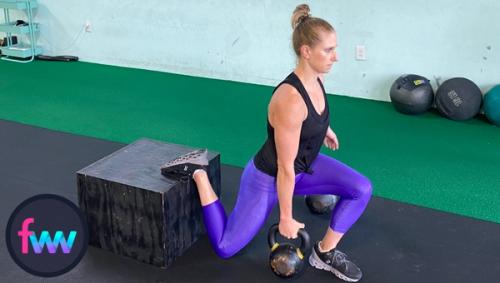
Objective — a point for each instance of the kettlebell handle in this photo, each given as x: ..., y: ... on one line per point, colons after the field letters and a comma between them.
x: 304, y: 236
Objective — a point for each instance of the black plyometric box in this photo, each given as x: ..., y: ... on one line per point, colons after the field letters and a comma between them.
x: 134, y: 211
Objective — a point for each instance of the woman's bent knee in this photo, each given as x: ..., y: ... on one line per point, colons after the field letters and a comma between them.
x: 364, y: 188
x: 225, y: 251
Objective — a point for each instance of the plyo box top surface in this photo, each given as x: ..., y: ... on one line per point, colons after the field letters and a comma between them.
x: 138, y: 164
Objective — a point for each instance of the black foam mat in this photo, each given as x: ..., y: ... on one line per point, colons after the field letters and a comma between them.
x: 391, y: 242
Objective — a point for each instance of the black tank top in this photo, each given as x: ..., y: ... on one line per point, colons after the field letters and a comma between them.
x: 312, y: 134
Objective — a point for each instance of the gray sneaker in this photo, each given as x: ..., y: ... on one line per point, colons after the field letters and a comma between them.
x: 186, y: 164
x: 336, y: 262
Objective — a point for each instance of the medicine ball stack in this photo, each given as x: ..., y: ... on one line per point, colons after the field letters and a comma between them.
x: 457, y: 99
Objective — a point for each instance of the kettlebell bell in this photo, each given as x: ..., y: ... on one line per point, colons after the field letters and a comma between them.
x: 286, y: 260
x: 321, y: 204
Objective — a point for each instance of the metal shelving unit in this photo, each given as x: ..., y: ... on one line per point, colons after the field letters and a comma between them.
x: 20, y: 52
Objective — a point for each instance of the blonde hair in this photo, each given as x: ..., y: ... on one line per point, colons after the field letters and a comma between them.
x: 306, y: 28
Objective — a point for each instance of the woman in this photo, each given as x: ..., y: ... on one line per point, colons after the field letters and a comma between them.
x: 289, y: 162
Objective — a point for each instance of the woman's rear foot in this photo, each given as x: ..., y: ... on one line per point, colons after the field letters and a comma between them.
x: 185, y: 165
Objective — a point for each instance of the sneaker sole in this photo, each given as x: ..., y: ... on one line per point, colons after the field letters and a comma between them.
x: 199, y: 157
x: 317, y: 263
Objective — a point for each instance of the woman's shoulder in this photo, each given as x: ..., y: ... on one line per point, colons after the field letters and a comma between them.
x: 287, y: 103
x: 287, y: 94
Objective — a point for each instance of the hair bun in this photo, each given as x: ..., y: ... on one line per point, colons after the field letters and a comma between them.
x: 300, y: 13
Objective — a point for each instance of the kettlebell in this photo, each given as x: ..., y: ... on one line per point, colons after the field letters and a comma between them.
x: 286, y: 260
x: 321, y: 204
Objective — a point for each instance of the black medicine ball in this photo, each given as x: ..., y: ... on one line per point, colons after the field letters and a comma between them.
x: 411, y: 94
x: 458, y: 99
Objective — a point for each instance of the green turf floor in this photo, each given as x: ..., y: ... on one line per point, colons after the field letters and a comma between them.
x: 425, y: 160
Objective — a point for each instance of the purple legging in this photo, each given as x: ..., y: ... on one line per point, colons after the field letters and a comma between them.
x: 258, y: 196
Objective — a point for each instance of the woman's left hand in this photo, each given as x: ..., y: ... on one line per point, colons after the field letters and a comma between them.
x: 331, y: 140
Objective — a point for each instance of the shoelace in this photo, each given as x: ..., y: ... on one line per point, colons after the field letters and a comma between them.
x: 339, y: 257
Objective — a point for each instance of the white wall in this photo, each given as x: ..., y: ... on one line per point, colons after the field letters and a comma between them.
x: 249, y: 41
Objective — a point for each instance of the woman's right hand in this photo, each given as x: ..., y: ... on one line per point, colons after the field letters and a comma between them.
x: 289, y: 228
